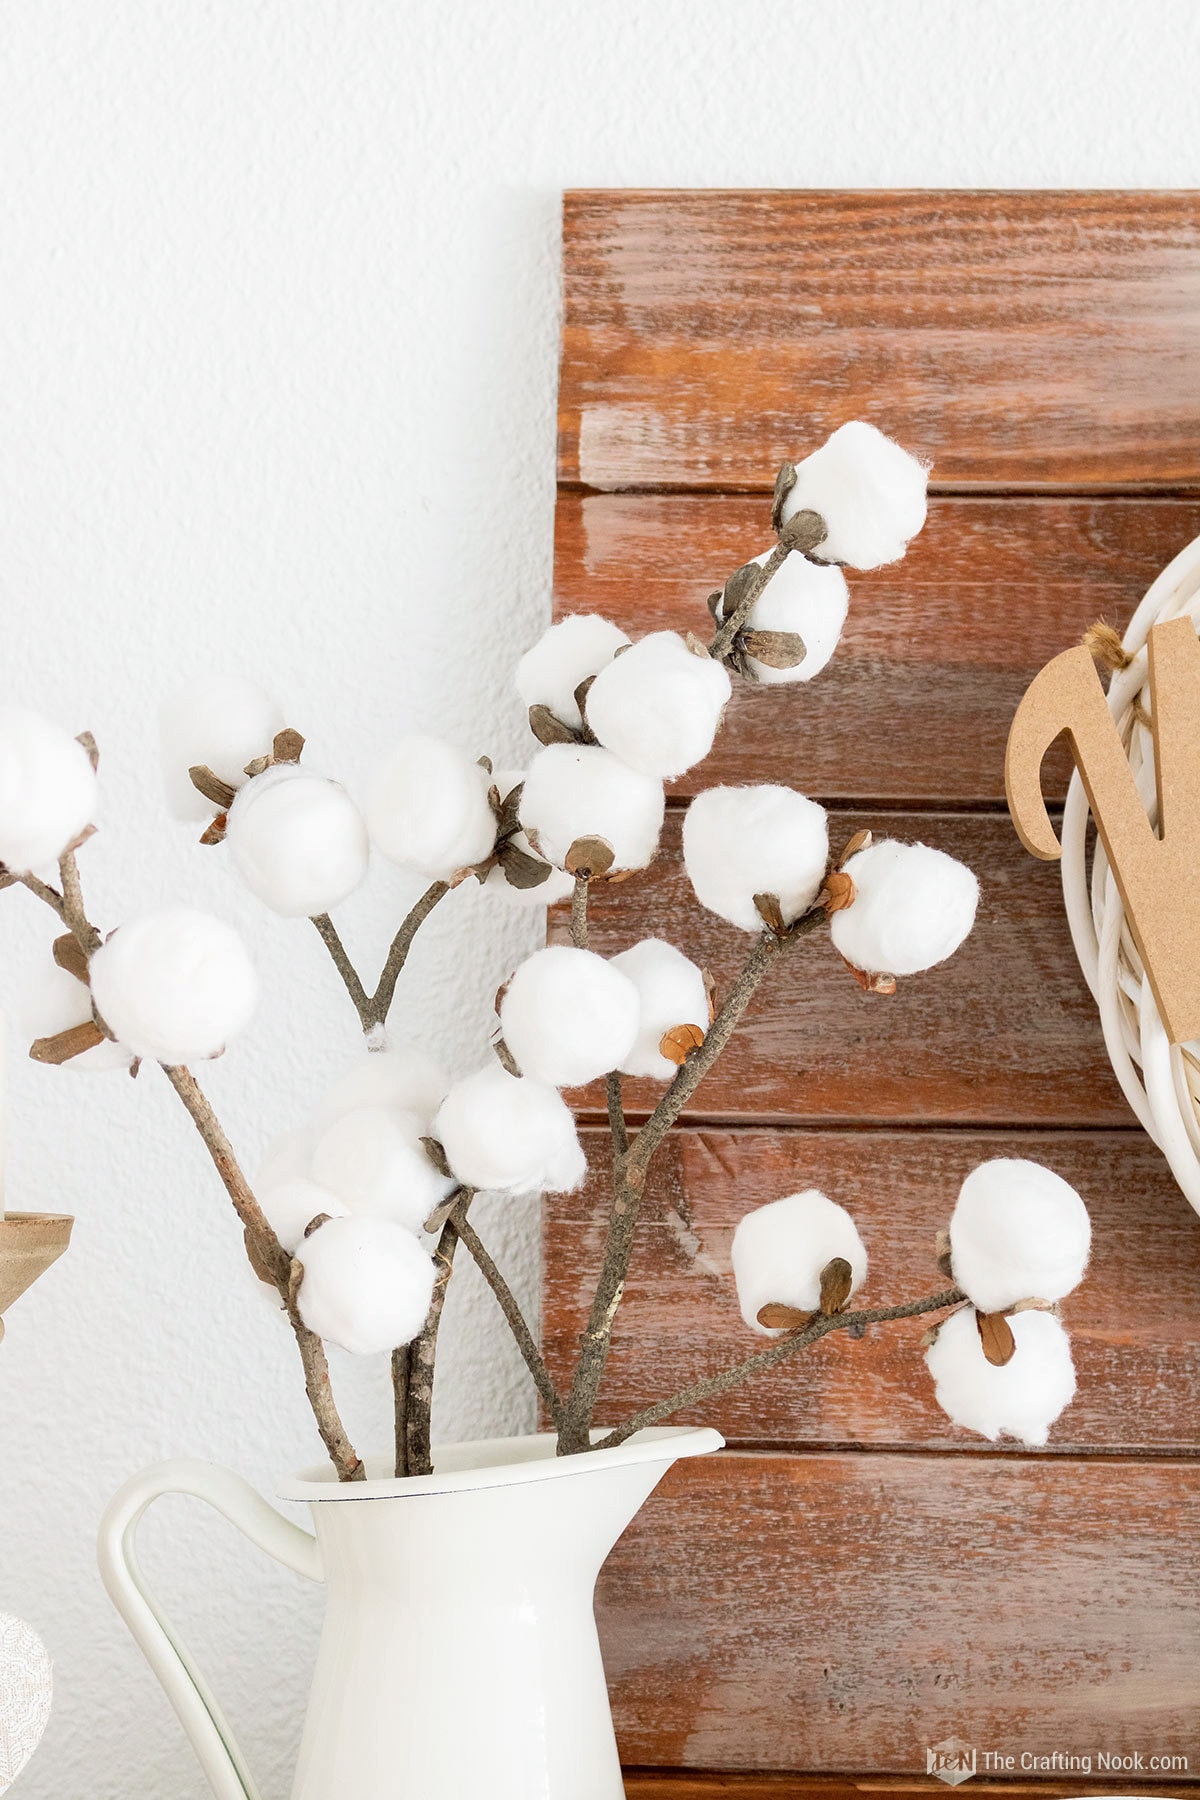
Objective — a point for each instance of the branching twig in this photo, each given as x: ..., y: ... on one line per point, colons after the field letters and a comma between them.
x: 373, y: 1009
x: 422, y: 1352
x: 359, y: 997
x: 44, y: 891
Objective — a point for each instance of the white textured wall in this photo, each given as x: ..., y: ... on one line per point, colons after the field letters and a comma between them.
x: 278, y: 310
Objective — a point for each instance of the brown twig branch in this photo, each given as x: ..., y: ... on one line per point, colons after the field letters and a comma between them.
x: 351, y: 981
x: 506, y: 1301
x: 400, y: 1371
x: 74, y: 914
x: 373, y: 1009
x: 780, y: 1351
x: 726, y: 632
x: 43, y: 890
x: 579, y: 913
x: 422, y: 1353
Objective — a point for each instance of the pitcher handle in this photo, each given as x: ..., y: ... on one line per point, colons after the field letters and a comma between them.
x: 185, y: 1687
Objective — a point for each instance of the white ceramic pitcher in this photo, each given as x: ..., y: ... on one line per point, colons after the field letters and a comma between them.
x: 459, y: 1654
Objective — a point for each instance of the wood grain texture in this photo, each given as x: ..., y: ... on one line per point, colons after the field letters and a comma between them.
x: 1004, y: 1033
x: 1134, y: 1323
x: 1022, y: 340
x: 826, y: 1611
x: 937, y: 651
x: 683, y: 1784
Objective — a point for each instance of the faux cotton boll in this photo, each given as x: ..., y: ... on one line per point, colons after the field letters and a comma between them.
x: 55, y: 1001
x: 47, y: 790
x: 174, y: 986
x: 291, y: 1206
x: 780, y: 1249
x: 428, y: 809
x: 805, y: 598
x: 742, y: 841
x: 913, y: 906
x: 670, y: 991
x: 297, y: 840
x: 287, y: 1157
x: 509, y: 1134
x: 367, y: 1284
x: 870, y: 493
x: 1018, y: 1232
x: 1020, y: 1399
x: 658, y: 705
x: 581, y: 792
x: 220, y: 722
x: 568, y: 1016
x: 407, y: 1079
x: 373, y: 1160
x: 563, y: 657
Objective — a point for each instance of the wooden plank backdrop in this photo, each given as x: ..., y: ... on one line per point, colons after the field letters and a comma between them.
x: 856, y: 1578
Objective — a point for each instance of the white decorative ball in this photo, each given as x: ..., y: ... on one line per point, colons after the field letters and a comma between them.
x: 510, y: 1134
x: 373, y: 1160
x: 780, y: 1249
x: 1020, y: 1399
x: 658, y: 705
x: 288, y: 1155
x: 563, y: 657
x: 809, y: 599
x: 367, y: 1284
x: 291, y: 1206
x: 55, y: 1001
x: 671, y: 991
x: 568, y: 1016
x: 219, y: 722
x: 407, y: 1079
x: 742, y: 841
x: 297, y: 840
x: 174, y: 986
x: 47, y: 790
x: 913, y: 906
x: 870, y: 493
x: 1018, y: 1232
x: 428, y: 808
x: 584, y: 791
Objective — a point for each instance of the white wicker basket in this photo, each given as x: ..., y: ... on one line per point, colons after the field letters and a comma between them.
x: 1160, y: 1081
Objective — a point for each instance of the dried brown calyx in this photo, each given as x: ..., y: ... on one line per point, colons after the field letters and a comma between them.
x: 679, y: 1041
x: 837, y: 1283
x: 286, y: 747
x: 520, y: 869
x: 995, y: 1333
x: 548, y: 728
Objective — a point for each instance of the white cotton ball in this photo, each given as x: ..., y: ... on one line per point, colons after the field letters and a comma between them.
x: 584, y: 791
x: 373, y: 1160
x: 220, y: 722
x: 556, y: 886
x: 407, y: 1079
x: 913, y: 906
x: 291, y: 1206
x: 780, y: 1249
x: 428, y: 808
x: 658, y: 705
x: 509, y: 1134
x: 1018, y: 1232
x: 805, y: 597
x: 47, y: 790
x: 1021, y: 1399
x: 367, y: 1284
x: 742, y: 841
x: 287, y: 1157
x: 564, y: 656
x: 174, y: 986
x: 670, y: 992
x: 297, y: 840
x: 568, y: 1016
x: 870, y: 493
x: 55, y: 1001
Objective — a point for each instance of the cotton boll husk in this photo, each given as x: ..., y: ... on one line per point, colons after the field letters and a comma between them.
x: 291, y: 1206
x: 55, y: 1001
x: 174, y: 986
x: 913, y: 906
x: 806, y: 598
x: 373, y: 1160
x: 658, y: 705
x: 585, y: 791
x: 742, y: 841
x: 1021, y: 1399
x: 568, y: 1016
x: 780, y: 1249
x: 557, y: 885
x: 564, y: 656
x: 1018, y: 1232
x: 47, y: 790
x: 509, y: 1134
x: 220, y: 722
x: 367, y: 1284
x: 297, y: 840
x: 670, y: 991
x: 407, y: 1079
x: 870, y: 493
x: 428, y: 809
